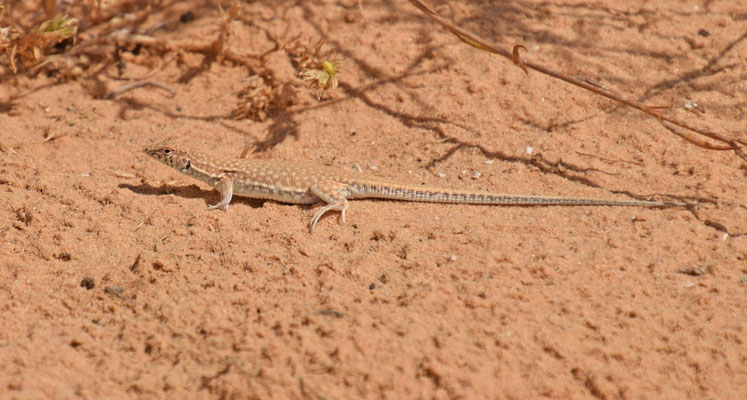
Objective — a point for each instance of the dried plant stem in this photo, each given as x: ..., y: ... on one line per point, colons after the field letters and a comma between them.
x: 135, y: 85
x: 727, y: 143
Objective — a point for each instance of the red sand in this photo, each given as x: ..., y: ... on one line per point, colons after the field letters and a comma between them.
x: 405, y: 300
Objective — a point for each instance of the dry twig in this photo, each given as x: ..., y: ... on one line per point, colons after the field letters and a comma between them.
x: 135, y: 85
x: 726, y: 143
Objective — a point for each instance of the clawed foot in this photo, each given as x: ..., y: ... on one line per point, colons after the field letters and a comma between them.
x: 220, y: 206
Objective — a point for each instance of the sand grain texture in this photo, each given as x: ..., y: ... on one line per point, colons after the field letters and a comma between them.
x: 110, y: 287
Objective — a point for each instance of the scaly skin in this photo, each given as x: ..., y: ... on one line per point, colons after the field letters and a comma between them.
x: 305, y: 183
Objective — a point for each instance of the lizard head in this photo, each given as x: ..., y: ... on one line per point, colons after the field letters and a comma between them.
x: 168, y: 152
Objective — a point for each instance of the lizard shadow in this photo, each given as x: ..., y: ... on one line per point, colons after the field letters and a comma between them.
x: 189, y: 192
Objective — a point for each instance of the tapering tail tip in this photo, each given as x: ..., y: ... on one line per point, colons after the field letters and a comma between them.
x: 689, y: 204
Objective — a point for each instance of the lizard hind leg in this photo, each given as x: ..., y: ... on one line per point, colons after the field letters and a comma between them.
x: 334, y: 194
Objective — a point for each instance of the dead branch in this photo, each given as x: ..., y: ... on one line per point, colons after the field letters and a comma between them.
x: 135, y: 85
x: 479, y: 43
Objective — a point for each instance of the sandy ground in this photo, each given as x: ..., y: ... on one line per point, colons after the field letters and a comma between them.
x: 117, y: 282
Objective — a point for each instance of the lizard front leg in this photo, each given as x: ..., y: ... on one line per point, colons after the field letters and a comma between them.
x: 225, y: 187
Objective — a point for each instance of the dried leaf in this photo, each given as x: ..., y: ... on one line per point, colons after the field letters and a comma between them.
x: 258, y: 99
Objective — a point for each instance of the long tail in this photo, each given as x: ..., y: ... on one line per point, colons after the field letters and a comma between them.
x: 396, y: 191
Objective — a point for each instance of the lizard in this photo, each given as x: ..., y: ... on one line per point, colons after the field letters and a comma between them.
x: 307, y: 183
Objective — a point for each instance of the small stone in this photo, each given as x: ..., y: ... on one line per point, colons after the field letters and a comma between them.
x: 695, y: 270
x: 88, y: 283
x: 114, y: 291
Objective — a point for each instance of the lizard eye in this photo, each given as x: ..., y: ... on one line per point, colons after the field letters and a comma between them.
x: 166, y: 151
